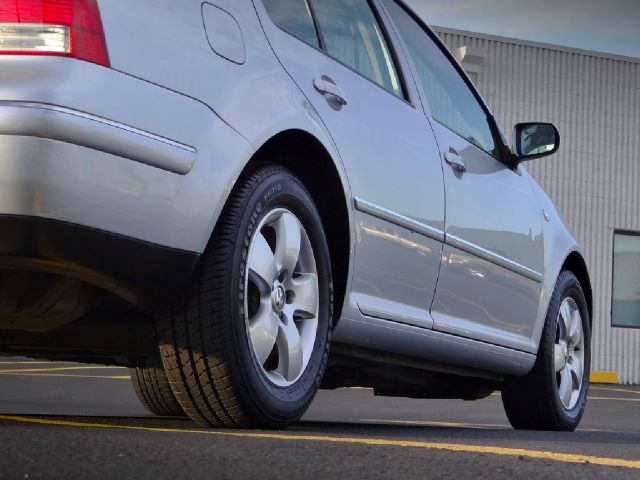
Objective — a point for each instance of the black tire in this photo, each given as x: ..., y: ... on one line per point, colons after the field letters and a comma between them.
x: 204, y: 340
x: 533, y: 402
x: 154, y: 392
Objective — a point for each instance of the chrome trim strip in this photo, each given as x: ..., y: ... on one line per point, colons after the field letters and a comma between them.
x: 86, y: 130
x: 452, y: 240
x: 394, y: 316
x: 397, y: 219
x: 494, y: 258
x: 388, y: 310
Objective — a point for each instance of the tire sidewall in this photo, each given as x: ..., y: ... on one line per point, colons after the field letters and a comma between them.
x: 280, y: 190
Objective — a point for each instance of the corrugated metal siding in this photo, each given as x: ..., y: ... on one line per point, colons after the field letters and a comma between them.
x: 594, y: 179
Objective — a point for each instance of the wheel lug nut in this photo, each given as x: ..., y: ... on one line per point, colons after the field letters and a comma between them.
x: 291, y: 296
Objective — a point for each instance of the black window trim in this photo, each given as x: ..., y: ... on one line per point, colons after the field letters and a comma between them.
x: 628, y: 233
x: 406, y: 97
x: 504, y: 155
x: 314, y: 19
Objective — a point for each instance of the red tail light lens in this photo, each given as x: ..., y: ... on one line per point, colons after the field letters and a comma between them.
x: 70, y: 28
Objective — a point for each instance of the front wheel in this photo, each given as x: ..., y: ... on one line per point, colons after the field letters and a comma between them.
x: 247, y: 346
x: 553, y: 395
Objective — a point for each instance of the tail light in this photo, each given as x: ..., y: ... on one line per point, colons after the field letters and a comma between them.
x: 68, y: 28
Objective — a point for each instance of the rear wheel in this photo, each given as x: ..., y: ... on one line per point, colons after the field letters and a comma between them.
x: 248, y: 344
x: 154, y: 392
x: 553, y: 395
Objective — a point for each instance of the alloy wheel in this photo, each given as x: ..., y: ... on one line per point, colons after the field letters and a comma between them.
x: 569, y: 353
x: 282, y: 301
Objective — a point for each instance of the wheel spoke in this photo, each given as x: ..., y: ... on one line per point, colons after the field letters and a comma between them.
x: 564, y: 320
x: 262, y: 264
x: 575, y: 331
x: 565, y: 389
x: 263, y: 330
x: 288, y: 240
x: 576, y: 372
x: 290, y: 354
x: 559, y: 360
x: 305, y: 303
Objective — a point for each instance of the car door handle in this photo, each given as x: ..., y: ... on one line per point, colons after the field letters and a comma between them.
x: 454, y: 159
x: 326, y: 86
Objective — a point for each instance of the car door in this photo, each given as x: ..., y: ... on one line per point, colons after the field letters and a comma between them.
x: 490, y: 282
x: 351, y: 76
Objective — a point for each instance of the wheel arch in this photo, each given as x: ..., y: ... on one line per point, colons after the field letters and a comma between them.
x: 572, y: 260
x: 575, y: 263
x: 308, y: 159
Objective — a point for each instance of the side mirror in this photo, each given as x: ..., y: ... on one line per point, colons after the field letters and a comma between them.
x: 535, y: 140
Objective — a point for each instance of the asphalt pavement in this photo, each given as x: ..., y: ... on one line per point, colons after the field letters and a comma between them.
x: 67, y: 421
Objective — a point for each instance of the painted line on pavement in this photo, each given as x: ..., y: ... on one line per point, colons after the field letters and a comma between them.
x: 616, y: 399
x: 29, y: 362
x: 68, y: 375
x: 56, y: 369
x: 451, y: 447
x: 476, y: 426
x: 611, y: 389
x: 429, y: 423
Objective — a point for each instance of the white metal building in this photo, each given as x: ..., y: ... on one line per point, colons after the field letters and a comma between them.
x: 594, y: 100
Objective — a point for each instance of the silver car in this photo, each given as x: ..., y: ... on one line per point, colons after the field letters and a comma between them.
x: 247, y: 200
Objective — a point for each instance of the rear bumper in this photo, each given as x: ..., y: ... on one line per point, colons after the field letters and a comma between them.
x: 140, y: 272
x: 108, y: 178
x: 52, y: 122
x: 91, y: 146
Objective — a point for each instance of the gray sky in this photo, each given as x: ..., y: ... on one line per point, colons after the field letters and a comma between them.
x: 611, y: 26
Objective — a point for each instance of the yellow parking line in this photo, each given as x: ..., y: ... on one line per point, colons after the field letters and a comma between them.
x: 451, y: 447
x: 429, y: 423
x: 476, y: 426
x: 611, y: 389
x: 617, y: 399
x: 55, y: 369
x: 117, y: 377
x: 29, y: 362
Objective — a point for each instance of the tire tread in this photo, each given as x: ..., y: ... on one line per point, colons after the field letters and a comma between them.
x: 152, y: 388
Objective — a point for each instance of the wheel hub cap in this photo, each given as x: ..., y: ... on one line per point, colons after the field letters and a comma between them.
x: 278, y: 298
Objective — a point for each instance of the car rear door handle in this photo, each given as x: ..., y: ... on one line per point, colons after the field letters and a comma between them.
x: 327, y: 86
x: 454, y: 159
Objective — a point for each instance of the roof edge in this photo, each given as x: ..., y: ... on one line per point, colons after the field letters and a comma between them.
x: 531, y: 43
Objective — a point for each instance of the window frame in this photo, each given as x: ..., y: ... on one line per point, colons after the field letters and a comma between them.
x: 503, y: 153
x: 384, y: 29
x: 627, y: 233
x: 313, y: 20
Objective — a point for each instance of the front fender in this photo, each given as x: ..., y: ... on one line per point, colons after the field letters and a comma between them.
x: 560, y: 249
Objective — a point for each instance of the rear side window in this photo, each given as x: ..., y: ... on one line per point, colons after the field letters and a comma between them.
x: 452, y: 102
x: 353, y: 36
x: 294, y: 17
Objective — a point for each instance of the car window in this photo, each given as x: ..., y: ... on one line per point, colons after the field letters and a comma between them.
x: 294, y: 17
x: 352, y: 35
x: 452, y: 102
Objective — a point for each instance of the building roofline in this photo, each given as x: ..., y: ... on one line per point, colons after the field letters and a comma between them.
x: 530, y: 43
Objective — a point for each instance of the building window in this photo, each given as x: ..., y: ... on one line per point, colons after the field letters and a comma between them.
x: 625, y: 306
